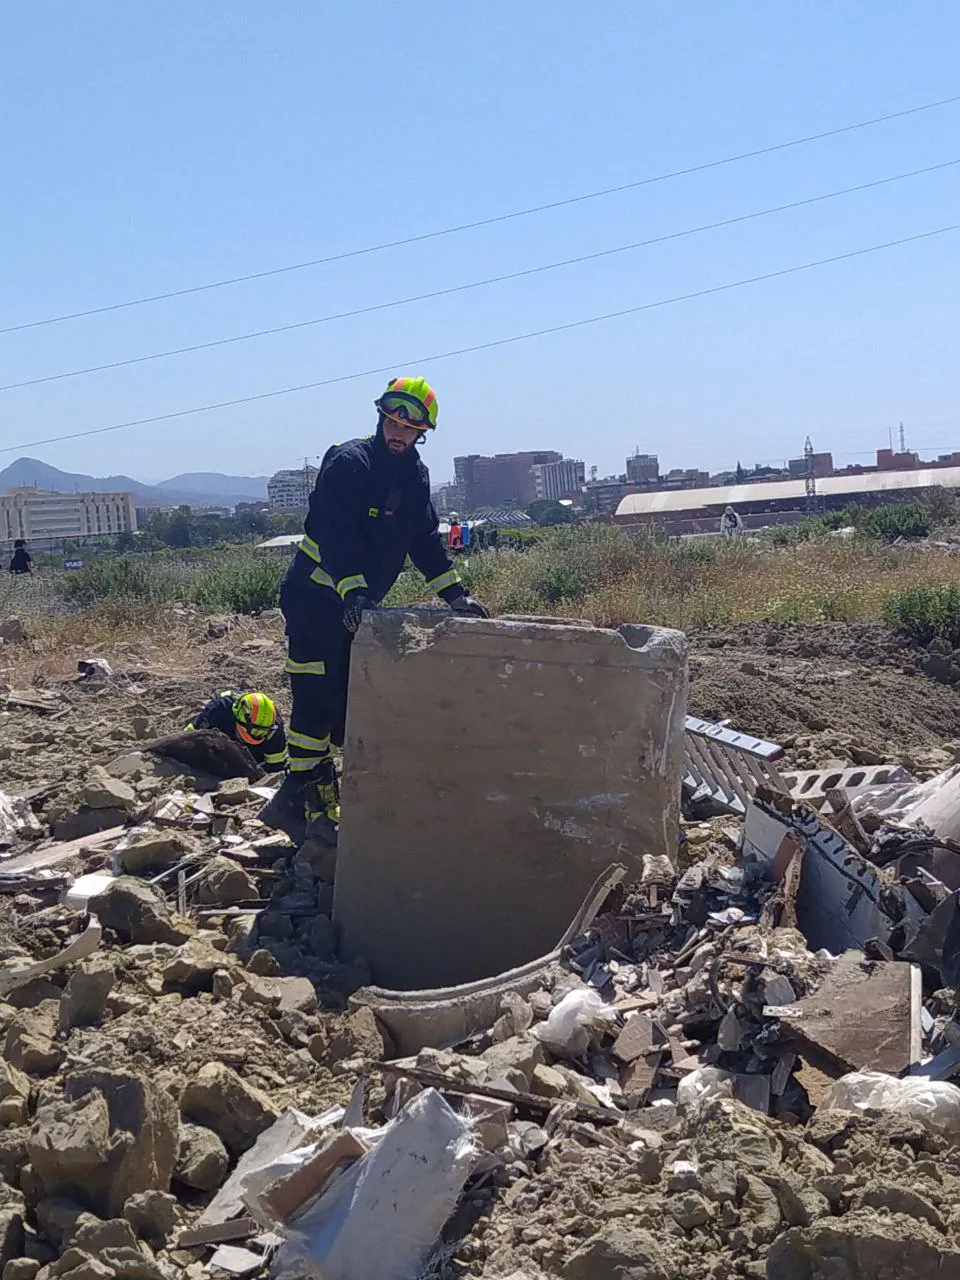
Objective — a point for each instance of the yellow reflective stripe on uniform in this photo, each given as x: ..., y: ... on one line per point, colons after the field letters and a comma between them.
x: 356, y: 582
x: 321, y: 577
x: 275, y: 757
x: 318, y: 668
x: 303, y: 764
x: 310, y: 744
x: 449, y: 579
x: 310, y: 547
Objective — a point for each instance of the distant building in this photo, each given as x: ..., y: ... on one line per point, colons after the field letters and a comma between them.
x: 39, y: 514
x: 290, y: 490
x: 686, y: 478
x: 446, y: 498
x: 889, y: 460
x: 604, y: 496
x: 556, y: 480
x: 822, y: 466
x: 643, y: 468
x: 255, y: 508
x: 500, y: 480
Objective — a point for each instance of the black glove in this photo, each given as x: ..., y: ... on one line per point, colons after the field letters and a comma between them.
x: 353, y: 607
x: 469, y: 607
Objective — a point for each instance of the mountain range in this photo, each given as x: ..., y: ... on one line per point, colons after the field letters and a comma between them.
x: 193, y: 488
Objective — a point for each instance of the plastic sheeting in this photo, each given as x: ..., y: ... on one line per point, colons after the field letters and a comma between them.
x: 934, y: 1102
x: 382, y: 1217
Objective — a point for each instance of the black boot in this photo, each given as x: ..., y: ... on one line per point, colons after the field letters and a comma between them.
x: 285, y: 812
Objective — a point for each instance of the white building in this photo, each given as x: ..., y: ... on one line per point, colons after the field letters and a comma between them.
x: 556, y: 480
x: 39, y: 514
x: 291, y: 489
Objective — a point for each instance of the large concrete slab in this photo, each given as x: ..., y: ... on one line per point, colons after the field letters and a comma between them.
x: 492, y: 769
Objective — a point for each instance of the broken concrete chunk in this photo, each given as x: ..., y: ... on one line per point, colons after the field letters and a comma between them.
x: 863, y: 1243
x: 358, y: 1035
x: 777, y: 990
x: 144, y: 1134
x: 14, y: 1094
x: 203, y: 1161
x: 84, y: 1000
x: 222, y: 1101
x: 59, y: 1219
x: 153, y: 1215
x: 69, y: 825
x: 156, y: 851
x: 224, y: 883
x: 621, y: 1251
x: 29, y: 1044
x: 11, y: 1235
x: 519, y: 1053
x: 12, y: 631
x: 102, y: 791
x: 69, y: 1144
x: 549, y: 1083
x: 131, y: 1264
x: 94, y: 1237
x: 287, y: 995
x: 193, y: 966
x: 21, y: 1269
x: 136, y: 913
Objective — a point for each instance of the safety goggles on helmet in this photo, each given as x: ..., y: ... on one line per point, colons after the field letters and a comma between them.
x: 255, y: 715
x: 405, y: 411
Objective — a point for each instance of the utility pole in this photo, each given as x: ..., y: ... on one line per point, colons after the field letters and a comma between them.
x: 810, y: 480
x: 903, y: 438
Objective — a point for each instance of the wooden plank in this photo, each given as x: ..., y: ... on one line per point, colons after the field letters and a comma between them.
x: 53, y: 854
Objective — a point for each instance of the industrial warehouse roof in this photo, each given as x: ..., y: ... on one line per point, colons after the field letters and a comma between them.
x: 664, y: 503
x: 282, y: 540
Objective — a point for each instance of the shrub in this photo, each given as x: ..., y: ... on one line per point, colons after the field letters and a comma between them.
x: 119, y: 578
x: 926, y: 613
x: 902, y: 520
x: 240, y: 583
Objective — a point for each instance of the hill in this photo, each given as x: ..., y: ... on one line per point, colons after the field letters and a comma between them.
x: 193, y: 488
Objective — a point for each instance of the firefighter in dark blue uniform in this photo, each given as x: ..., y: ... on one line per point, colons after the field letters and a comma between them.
x: 369, y: 510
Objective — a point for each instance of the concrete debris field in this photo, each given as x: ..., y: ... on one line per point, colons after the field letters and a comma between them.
x: 731, y: 1053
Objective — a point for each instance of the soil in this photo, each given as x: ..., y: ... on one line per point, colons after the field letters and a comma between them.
x: 829, y: 691
x: 718, y: 1194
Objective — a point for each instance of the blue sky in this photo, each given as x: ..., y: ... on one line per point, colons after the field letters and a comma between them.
x: 155, y: 146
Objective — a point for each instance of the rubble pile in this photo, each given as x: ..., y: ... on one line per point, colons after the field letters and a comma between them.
x: 739, y: 1065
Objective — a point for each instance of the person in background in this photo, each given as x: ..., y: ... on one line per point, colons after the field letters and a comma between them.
x: 21, y: 561
x: 731, y: 525
x: 493, y: 537
x: 465, y: 535
x: 250, y: 718
x: 455, y: 536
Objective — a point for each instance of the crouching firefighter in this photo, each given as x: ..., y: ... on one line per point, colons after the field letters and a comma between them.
x: 252, y: 719
x: 369, y: 510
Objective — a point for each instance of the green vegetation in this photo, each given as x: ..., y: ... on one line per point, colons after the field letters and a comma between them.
x: 885, y: 524
x: 600, y: 572
x: 926, y: 613
x: 235, y: 581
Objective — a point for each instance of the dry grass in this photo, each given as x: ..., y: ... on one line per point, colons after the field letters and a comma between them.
x: 604, y: 576
x: 598, y: 573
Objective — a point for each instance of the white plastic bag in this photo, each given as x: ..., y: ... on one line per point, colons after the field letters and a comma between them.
x: 935, y: 1102
x: 566, y: 1031
x: 703, y: 1085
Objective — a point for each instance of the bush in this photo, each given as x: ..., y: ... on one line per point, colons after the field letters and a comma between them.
x: 926, y: 613
x: 240, y: 583
x: 119, y: 578
x: 902, y: 520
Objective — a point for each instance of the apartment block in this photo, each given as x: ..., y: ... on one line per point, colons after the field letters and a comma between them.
x: 643, y: 468
x: 291, y: 489
x: 38, y: 514
x: 556, y: 480
x: 500, y: 480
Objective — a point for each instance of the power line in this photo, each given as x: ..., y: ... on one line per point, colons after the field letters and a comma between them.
x: 487, y: 346
x: 486, y: 222
x: 475, y: 284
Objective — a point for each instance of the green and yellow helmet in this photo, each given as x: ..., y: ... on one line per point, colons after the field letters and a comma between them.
x: 255, y: 714
x: 411, y: 402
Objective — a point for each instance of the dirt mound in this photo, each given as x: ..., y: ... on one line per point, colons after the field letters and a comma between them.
x: 860, y: 686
